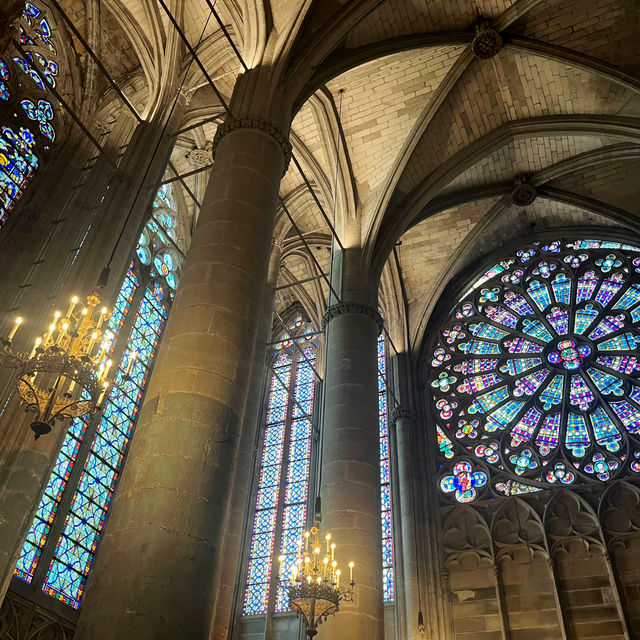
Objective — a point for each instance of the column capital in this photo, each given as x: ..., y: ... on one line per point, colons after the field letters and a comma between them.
x: 352, y: 307
x: 258, y: 123
x: 400, y: 413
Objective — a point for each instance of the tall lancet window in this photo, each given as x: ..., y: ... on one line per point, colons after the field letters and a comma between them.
x: 283, y: 482
x: 27, y: 117
x: 59, y: 550
x: 388, y: 583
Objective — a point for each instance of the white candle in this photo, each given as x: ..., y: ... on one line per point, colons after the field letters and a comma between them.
x: 103, y: 313
x: 15, y: 328
x: 72, y: 306
x: 106, y: 369
x: 37, y: 344
x: 351, y: 565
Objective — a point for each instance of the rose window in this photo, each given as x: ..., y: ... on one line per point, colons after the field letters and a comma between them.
x: 535, y: 376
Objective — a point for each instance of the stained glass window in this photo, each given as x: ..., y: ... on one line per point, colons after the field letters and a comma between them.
x: 32, y: 130
x: 60, y: 546
x: 156, y: 245
x: 283, y: 481
x: 535, y: 372
x: 388, y: 583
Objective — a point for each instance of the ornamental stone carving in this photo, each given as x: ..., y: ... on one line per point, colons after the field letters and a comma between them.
x: 487, y: 41
x: 201, y: 158
x: 260, y: 124
x: 524, y: 193
x: 352, y: 307
x: 401, y: 413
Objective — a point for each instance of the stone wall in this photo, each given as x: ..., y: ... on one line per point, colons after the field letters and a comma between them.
x: 549, y: 565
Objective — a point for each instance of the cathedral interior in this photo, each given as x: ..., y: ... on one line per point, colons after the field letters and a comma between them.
x: 371, y: 275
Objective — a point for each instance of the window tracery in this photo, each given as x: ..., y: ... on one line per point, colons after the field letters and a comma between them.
x: 535, y: 374
x: 283, y: 484
x: 60, y: 546
x: 32, y: 130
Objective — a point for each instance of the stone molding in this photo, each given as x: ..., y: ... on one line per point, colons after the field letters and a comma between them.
x: 400, y: 413
x: 352, y: 307
x: 260, y: 124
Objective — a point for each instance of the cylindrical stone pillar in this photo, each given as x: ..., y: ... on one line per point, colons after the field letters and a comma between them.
x: 403, y: 420
x: 156, y: 570
x: 233, y: 539
x: 350, y: 483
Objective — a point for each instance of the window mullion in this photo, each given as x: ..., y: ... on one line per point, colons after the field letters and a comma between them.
x: 284, y: 472
x: 85, y: 447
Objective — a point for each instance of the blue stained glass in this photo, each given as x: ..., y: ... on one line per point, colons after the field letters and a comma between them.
x: 528, y: 385
x: 577, y: 438
x: 65, y: 580
x: 609, y: 289
x: 606, y: 382
x: 520, y: 345
x: 479, y: 347
x: 478, y: 383
x: 484, y: 330
x: 586, y: 286
x: 501, y: 417
x: 476, y: 366
x: 579, y: 393
x: 628, y: 415
x: 487, y: 401
x: 624, y: 342
x: 539, y: 294
x: 548, y: 436
x: 521, y: 365
x: 76, y: 432
x: 536, y: 329
x: 498, y: 314
x: 562, y: 289
x: 559, y: 319
x: 524, y: 429
x: 42, y: 113
x: 385, y: 472
x: 18, y: 164
x: 552, y: 394
x: 604, y: 430
x: 630, y: 298
x: 584, y: 317
x: 607, y: 325
x: 517, y: 303
x: 623, y: 364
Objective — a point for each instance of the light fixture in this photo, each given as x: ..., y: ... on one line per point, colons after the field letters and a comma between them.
x: 66, y: 374
x: 314, y: 585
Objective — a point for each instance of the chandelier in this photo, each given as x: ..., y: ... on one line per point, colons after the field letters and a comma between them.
x: 65, y: 375
x: 314, y: 586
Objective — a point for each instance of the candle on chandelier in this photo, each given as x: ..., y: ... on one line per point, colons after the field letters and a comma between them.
x: 333, y: 550
x: 104, y: 391
x: 63, y: 332
x: 338, y: 574
x: 103, y: 313
x: 72, y: 306
x: 106, y: 369
x: 351, y: 565
x: 52, y: 328
x: 37, y: 344
x: 328, y: 539
x: 132, y: 356
x: 94, y: 337
x: 15, y: 328
x: 325, y: 568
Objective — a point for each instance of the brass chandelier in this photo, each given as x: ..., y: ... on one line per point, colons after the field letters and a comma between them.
x: 66, y: 374
x: 316, y: 586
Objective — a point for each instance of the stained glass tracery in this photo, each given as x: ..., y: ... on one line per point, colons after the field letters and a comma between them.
x: 283, y: 482
x: 59, y: 549
x: 388, y: 581
x: 535, y: 375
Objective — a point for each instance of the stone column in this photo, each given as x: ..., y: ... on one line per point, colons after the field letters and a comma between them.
x: 156, y: 570
x: 238, y: 508
x: 350, y: 484
x: 403, y: 422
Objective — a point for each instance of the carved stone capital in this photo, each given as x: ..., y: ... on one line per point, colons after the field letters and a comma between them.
x: 524, y: 193
x: 400, y: 413
x: 260, y: 124
x: 487, y: 41
x: 352, y: 307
